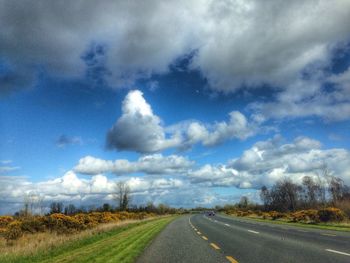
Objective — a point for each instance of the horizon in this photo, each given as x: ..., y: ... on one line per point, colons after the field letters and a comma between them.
x: 191, y: 104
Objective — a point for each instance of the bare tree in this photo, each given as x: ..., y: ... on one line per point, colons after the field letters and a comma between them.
x: 336, y: 189
x: 122, y: 195
x: 285, y: 195
x: 310, y: 190
x: 243, y: 202
x: 265, y: 197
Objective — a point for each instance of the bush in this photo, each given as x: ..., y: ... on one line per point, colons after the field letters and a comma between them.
x: 344, y: 205
x: 5, y: 220
x: 13, y: 231
x: 33, y: 225
x: 276, y: 215
x: 331, y: 214
x: 63, y: 224
x: 86, y: 220
x: 306, y: 216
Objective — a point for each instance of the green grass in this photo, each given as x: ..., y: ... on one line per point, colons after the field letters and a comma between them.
x: 123, y: 244
x: 329, y: 226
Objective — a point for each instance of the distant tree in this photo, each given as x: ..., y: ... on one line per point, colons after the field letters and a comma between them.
x: 265, y: 197
x: 150, y: 207
x: 310, y: 190
x: 336, y: 189
x: 285, y: 195
x: 70, y: 209
x: 243, y: 202
x: 106, y: 207
x: 56, y: 207
x: 122, y: 195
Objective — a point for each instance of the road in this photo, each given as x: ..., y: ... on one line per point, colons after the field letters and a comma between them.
x: 198, y: 238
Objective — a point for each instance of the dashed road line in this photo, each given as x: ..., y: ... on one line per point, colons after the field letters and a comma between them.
x: 330, y: 235
x: 199, y: 233
x: 252, y: 231
x: 204, y: 237
x: 231, y: 259
x: 338, y: 252
x: 227, y: 225
x: 215, y: 246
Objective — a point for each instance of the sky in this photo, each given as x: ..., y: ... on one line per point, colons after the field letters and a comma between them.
x: 190, y: 103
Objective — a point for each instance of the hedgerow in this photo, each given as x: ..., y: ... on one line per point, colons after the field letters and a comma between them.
x: 12, y: 228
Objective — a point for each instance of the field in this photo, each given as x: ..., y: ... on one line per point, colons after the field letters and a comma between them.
x: 117, y: 244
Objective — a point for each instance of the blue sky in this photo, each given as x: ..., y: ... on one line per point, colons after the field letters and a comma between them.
x: 194, y: 108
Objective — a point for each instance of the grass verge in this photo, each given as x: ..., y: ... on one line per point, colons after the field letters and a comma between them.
x: 330, y: 226
x: 122, y: 244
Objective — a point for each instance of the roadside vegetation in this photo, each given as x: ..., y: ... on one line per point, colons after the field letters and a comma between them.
x: 111, y: 243
x: 29, y: 232
x: 323, y: 201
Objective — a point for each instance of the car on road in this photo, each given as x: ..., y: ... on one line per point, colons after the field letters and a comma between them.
x: 210, y: 213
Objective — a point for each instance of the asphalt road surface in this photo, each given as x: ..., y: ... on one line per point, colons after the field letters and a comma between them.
x: 199, y: 238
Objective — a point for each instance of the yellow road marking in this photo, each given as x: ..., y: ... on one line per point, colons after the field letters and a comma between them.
x: 214, y: 246
x: 231, y: 259
x: 204, y: 237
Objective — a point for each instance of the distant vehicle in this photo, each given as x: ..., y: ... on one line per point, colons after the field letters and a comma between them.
x: 210, y: 213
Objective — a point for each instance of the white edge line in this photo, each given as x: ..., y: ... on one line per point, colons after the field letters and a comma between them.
x: 338, y: 252
x: 251, y: 231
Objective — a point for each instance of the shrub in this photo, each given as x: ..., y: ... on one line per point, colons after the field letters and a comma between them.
x: 33, y: 225
x: 13, y: 231
x: 5, y: 220
x: 276, y: 215
x: 63, y: 224
x: 331, y: 214
x: 344, y: 205
x: 306, y: 216
x: 86, y: 220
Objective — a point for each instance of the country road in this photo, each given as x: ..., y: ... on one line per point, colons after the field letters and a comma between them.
x: 198, y: 238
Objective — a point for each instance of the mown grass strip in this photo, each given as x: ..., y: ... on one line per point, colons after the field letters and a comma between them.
x: 123, y: 244
x: 305, y: 225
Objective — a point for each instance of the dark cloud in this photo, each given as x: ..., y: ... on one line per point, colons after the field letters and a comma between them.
x: 234, y: 43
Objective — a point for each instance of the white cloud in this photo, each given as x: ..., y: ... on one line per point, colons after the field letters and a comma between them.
x: 236, y: 42
x: 308, y: 98
x: 149, y: 164
x: 269, y: 161
x: 140, y: 130
x: 72, y: 189
x: 237, y: 127
x: 8, y: 168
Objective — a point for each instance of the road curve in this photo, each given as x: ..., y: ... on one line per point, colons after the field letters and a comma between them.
x: 221, y: 238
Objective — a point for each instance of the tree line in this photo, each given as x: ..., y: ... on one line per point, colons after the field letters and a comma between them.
x: 311, y: 193
x: 122, y: 201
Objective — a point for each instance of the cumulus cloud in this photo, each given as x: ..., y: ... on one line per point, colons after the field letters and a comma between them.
x: 237, y: 127
x: 308, y: 98
x: 140, y: 130
x: 269, y: 161
x: 72, y: 189
x: 149, y: 164
x: 235, y: 42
